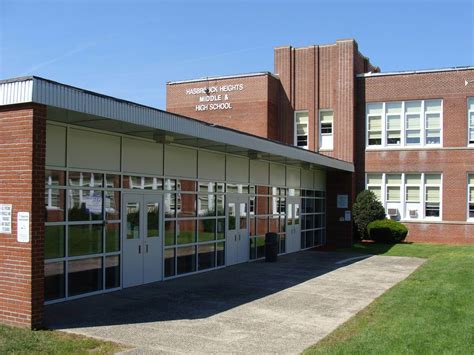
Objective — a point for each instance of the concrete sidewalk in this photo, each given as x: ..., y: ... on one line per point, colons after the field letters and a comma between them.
x: 259, y: 307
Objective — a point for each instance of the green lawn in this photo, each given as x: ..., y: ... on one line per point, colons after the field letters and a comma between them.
x: 431, y: 312
x: 23, y: 341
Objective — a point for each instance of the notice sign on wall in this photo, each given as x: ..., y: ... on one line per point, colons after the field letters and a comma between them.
x: 5, y: 218
x: 23, y: 227
x: 342, y: 201
x: 214, y: 97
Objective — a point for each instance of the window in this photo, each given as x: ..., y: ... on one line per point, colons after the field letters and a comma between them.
x: 470, y: 117
x: 405, y: 123
x: 326, y: 118
x: 433, y: 195
x: 301, y: 129
x: 470, y: 196
x: 409, y: 196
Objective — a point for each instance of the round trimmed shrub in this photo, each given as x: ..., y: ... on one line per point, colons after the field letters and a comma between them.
x: 387, y: 231
x: 367, y: 208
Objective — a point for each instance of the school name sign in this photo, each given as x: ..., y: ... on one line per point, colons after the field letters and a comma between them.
x: 214, y: 97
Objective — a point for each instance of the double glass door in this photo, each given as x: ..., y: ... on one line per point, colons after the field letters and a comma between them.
x: 293, y: 224
x: 142, y: 239
x: 237, y: 236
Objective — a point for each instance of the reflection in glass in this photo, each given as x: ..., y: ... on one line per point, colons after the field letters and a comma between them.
x: 206, y: 205
x: 112, y: 237
x: 297, y: 213
x: 231, y: 215
x: 55, y: 177
x: 220, y: 251
x: 54, y: 283
x: 112, y: 181
x: 85, y: 239
x: 169, y: 262
x: 206, y: 256
x: 273, y: 224
x: 243, y: 216
x: 186, y: 231
x: 220, y: 205
x: 170, y: 205
x: 112, y: 205
x: 220, y: 229
x: 84, y: 275
x: 169, y: 233
x: 85, y: 205
x: 153, y: 220
x: 54, y: 242
x: 260, y: 246
x: 262, y: 225
x: 186, y: 260
x: 282, y: 243
x: 186, y: 205
x: 186, y: 185
x: 112, y: 271
x: 83, y: 179
x: 133, y: 220
x: 206, y: 230
x: 55, y: 201
x: 170, y: 184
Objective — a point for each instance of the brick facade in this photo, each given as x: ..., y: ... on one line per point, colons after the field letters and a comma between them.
x: 23, y: 143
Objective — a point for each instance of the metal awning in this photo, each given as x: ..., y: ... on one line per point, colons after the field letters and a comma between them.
x: 80, y: 107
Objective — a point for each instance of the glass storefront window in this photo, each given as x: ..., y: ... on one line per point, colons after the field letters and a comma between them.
x: 84, y: 179
x: 84, y: 239
x: 206, y: 256
x: 85, y: 205
x: 54, y: 242
x: 84, y: 276
x: 112, y: 205
x: 54, y: 282
x: 186, y: 260
x: 55, y: 177
x: 112, y: 237
x: 112, y: 271
x: 206, y: 230
x: 169, y: 262
x: 185, y: 231
x: 54, y: 203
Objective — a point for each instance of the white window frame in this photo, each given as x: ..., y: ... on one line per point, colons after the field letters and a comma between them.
x: 296, y: 135
x: 470, y: 102
x: 321, y: 134
x: 469, y: 186
x: 403, y: 199
x: 403, y: 126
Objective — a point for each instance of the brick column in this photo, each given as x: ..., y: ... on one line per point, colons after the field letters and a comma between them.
x: 22, y: 170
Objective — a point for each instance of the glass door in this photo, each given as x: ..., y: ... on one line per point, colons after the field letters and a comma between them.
x: 293, y: 227
x: 237, y: 236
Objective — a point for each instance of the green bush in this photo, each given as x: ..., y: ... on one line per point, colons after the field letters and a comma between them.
x: 387, y: 231
x: 365, y: 210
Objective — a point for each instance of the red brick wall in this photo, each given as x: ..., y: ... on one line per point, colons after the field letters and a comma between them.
x: 254, y: 109
x: 455, y: 160
x: 22, y: 159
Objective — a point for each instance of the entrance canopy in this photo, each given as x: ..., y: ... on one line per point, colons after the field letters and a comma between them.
x: 85, y: 108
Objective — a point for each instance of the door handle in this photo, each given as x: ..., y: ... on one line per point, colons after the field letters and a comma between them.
x: 147, y: 248
x: 239, y: 236
x: 139, y: 249
x: 235, y: 237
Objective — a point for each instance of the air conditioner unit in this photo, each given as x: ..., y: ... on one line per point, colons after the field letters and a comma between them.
x: 392, y: 212
x: 413, y: 213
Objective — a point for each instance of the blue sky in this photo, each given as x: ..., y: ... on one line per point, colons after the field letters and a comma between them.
x: 130, y: 49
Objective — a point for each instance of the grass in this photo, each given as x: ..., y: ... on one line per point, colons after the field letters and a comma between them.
x: 431, y: 312
x: 24, y: 341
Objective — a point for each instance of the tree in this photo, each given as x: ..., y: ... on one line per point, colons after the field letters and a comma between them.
x: 367, y: 208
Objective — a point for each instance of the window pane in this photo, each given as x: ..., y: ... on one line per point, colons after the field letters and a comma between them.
x: 433, y: 105
x: 170, y: 184
x: 220, y: 205
x: 432, y: 209
x: 206, y: 230
x: 85, y: 239
x: 374, y: 179
x: 433, y: 179
x: 326, y: 116
x: 186, y: 231
x: 112, y: 237
x: 394, y: 179
x: 153, y: 220
x: 133, y: 220
x: 55, y: 205
x: 169, y: 262
x: 393, y: 193
x: 413, y: 121
x: 432, y: 194
x: 85, y: 205
x: 433, y: 120
x: 186, y: 205
x: 206, y: 205
x: 84, y: 276
x: 243, y: 216
x: 262, y: 225
x: 169, y: 232
x: 377, y: 190
x: 186, y: 185
x: 170, y: 205
x: 375, y: 123
x: 54, y: 282
x: 112, y: 205
x: 413, y: 194
x: 112, y: 271
x: 471, y: 136
x: 470, y: 179
x: 413, y: 137
x: 413, y: 179
x: 186, y: 260
x: 55, y: 177
x: 393, y: 122
x: 393, y: 137
x: 206, y: 256
x: 220, y: 251
x: 54, y: 242
x: 231, y: 215
x: 375, y: 108
x: 220, y: 228
x: 82, y: 179
x: 112, y: 181
x: 412, y: 106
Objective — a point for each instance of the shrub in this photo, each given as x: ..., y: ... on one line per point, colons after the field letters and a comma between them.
x: 365, y: 210
x: 387, y: 231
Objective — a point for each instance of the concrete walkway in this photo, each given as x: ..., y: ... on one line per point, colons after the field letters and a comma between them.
x: 259, y: 307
